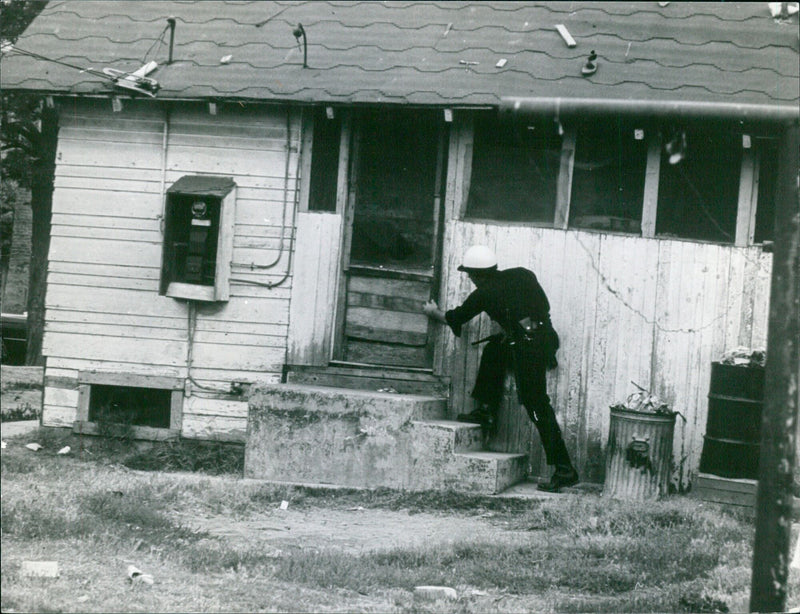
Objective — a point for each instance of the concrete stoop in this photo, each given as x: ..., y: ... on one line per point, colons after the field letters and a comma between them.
x: 363, y: 439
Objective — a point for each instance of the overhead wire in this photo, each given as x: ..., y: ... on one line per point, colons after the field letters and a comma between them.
x: 38, y: 56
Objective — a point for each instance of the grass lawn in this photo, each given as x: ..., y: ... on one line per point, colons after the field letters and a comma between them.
x: 222, y: 543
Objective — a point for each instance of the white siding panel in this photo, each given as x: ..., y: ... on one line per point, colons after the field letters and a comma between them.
x: 108, y: 366
x: 100, y: 251
x: 214, y: 428
x: 61, y: 397
x: 628, y: 309
x: 103, y: 308
x: 110, y: 154
x: 202, y: 406
x: 57, y: 415
x: 88, y: 224
x: 115, y: 348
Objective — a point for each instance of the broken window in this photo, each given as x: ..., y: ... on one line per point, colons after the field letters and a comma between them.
x: 698, y: 188
x: 396, y: 179
x: 608, y: 178
x: 515, y: 170
x: 324, y: 162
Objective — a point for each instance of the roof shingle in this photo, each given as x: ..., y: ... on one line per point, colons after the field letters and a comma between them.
x: 435, y: 53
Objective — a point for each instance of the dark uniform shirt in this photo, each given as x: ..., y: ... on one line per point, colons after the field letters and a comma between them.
x: 507, y: 297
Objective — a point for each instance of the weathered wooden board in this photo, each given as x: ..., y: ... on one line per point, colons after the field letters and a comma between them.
x: 314, y: 288
x: 651, y: 311
x: 372, y: 353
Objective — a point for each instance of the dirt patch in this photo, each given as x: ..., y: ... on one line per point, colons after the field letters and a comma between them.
x: 356, y: 530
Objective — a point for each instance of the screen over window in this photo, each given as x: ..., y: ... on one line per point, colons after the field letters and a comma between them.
x: 514, y: 170
x: 698, y: 188
x: 608, y: 178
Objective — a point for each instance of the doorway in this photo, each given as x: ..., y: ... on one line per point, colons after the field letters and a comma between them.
x: 392, y: 239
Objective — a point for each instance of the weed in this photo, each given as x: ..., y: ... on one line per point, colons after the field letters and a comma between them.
x: 395, y: 500
x: 211, y: 557
x: 18, y: 385
x: 212, y: 457
x: 19, y: 413
x: 37, y: 520
x: 113, y: 423
x: 15, y: 465
x: 702, y: 603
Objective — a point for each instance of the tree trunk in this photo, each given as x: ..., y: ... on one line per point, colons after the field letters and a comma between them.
x: 42, y: 208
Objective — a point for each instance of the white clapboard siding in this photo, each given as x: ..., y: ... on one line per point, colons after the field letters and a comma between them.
x: 651, y: 311
x: 104, y: 312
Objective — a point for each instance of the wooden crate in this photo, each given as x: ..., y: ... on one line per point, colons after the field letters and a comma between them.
x: 730, y: 491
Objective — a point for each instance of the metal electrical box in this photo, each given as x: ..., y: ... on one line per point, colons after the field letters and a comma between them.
x: 198, y: 238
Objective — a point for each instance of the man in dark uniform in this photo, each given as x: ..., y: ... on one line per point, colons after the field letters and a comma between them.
x: 527, y: 346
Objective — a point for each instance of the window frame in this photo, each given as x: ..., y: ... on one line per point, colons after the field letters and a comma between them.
x: 746, y: 208
x: 86, y: 379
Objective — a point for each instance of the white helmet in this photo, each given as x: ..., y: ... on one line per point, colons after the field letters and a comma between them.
x: 478, y: 257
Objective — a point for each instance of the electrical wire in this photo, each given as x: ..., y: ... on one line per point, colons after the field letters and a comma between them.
x: 38, y: 56
x: 252, y: 266
x: 286, y: 275
x: 159, y: 41
x: 191, y: 328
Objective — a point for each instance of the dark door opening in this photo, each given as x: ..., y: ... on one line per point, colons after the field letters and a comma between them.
x: 393, y: 247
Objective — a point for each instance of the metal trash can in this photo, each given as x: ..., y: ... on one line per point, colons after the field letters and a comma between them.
x: 639, y: 454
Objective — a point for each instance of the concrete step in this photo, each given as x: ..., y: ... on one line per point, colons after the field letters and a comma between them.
x: 367, y: 377
x: 365, y: 439
x: 448, y: 436
x: 490, y: 472
x: 308, y: 399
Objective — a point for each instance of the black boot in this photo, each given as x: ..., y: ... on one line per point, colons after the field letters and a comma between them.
x: 477, y: 416
x: 564, y: 475
x: 483, y: 416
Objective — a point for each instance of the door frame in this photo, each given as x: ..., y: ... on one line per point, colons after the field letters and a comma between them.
x: 348, y: 182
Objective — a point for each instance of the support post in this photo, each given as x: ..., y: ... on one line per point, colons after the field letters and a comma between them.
x: 774, y: 499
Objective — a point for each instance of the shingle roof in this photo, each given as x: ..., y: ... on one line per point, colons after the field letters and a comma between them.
x: 437, y: 53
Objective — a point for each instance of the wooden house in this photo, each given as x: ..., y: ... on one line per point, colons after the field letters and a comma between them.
x: 282, y: 185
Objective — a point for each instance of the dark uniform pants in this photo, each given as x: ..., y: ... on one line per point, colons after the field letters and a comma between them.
x: 527, y: 361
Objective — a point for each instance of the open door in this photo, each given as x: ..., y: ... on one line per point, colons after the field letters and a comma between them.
x: 391, y: 239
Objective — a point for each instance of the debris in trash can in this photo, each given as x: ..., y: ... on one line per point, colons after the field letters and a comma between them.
x: 745, y: 357
x: 644, y: 401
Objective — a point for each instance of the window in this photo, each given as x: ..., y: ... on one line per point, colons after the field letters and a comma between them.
x: 514, y: 170
x: 393, y: 221
x: 608, y: 178
x: 129, y: 405
x: 324, y: 162
x: 198, y: 238
x: 698, y: 188
x: 767, y: 152
x: 126, y: 404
